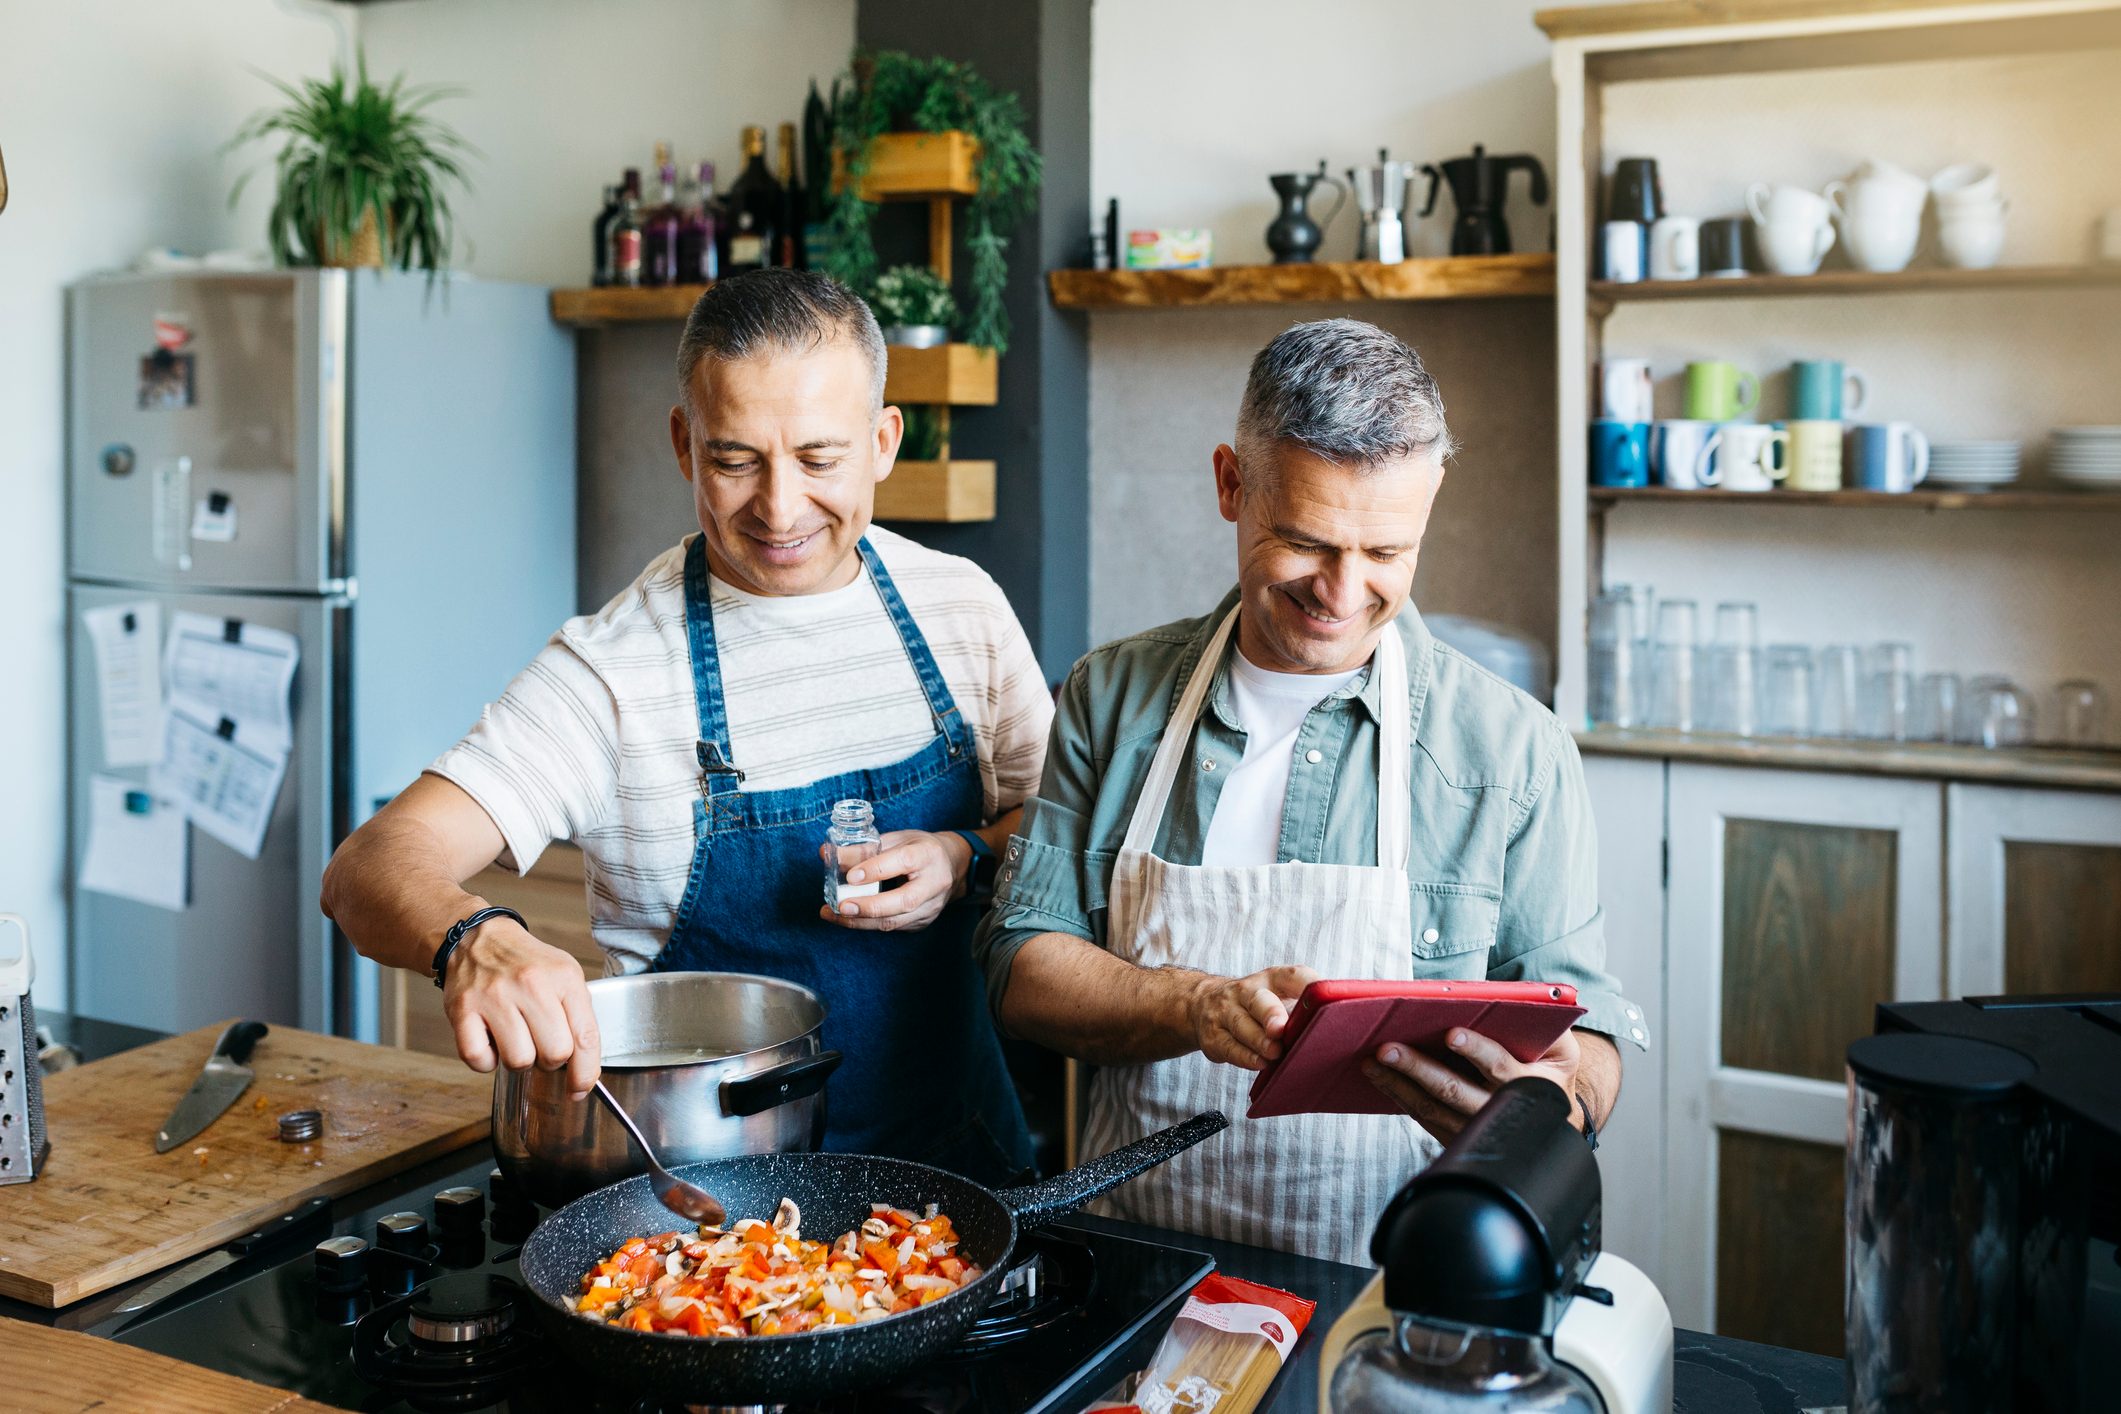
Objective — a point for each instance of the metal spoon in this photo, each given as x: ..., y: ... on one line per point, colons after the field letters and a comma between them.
x: 687, y: 1200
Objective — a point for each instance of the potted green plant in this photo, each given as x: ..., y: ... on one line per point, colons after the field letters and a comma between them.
x: 914, y: 305
x: 363, y: 173
x: 891, y: 91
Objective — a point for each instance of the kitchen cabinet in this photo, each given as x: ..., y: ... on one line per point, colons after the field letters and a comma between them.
x: 2035, y: 891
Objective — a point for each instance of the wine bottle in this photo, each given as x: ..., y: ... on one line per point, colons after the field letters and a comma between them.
x: 754, y: 209
x: 659, y: 228
x: 626, y: 233
x: 788, y: 248
x: 699, y: 261
x: 608, y: 213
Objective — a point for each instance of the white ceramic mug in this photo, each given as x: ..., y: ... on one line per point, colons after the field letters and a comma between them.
x: 1620, y: 251
x: 1792, y: 227
x: 1966, y: 184
x: 1675, y: 249
x: 1677, y: 448
x: 1880, y: 227
x: 1971, y: 238
x: 1624, y: 389
x: 1745, y: 456
x: 1888, y: 176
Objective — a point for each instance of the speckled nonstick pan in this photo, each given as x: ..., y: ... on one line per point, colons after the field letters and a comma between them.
x: 834, y: 1192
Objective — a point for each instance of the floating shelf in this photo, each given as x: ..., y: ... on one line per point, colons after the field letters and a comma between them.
x: 2093, y: 769
x: 1457, y: 277
x: 1604, y: 294
x: 917, y: 167
x: 947, y: 491
x: 2034, y: 499
x: 624, y: 304
x: 961, y: 375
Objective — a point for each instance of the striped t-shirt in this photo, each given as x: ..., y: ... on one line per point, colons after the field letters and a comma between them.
x: 594, y: 741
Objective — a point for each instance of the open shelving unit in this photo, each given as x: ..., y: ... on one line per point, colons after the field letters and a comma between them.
x: 1604, y: 294
x: 1605, y: 497
x: 1457, y: 277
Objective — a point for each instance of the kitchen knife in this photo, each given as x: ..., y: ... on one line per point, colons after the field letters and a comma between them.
x: 227, y: 1075
x: 309, y: 1215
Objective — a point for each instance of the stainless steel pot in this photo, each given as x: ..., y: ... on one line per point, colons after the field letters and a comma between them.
x: 756, y: 1086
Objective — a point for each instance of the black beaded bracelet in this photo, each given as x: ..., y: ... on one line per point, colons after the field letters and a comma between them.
x: 1590, y: 1126
x: 459, y: 929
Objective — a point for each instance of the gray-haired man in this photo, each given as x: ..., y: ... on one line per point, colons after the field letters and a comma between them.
x: 1303, y: 783
x: 695, y: 735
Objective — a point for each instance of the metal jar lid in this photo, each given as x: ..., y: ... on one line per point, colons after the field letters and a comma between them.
x: 301, y: 1126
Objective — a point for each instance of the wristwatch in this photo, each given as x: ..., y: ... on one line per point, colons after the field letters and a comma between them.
x: 979, y: 879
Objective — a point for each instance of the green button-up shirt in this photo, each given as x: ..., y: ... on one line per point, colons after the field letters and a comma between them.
x: 1504, y: 870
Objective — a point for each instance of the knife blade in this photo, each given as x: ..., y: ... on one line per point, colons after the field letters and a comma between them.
x: 225, y: 1076
x: 301, y: 1219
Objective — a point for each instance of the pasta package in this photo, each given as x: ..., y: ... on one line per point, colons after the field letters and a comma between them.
x: 1223, y: 1351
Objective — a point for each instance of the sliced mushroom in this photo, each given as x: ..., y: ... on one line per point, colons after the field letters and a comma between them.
x: 789, y: 1220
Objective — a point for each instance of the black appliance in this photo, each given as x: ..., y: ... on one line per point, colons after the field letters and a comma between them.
x: 418, y: 1307
x: 1480, y: 187
x: 1984, y: 1203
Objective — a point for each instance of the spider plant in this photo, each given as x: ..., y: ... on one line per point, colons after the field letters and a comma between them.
x: 363, y: 172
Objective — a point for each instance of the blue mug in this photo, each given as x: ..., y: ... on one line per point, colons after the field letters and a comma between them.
x: 1885, y: 456
x: 1620, y: 453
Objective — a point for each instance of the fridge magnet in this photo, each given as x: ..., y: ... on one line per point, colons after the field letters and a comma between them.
x: 214, y: 518
x: 165, y: 381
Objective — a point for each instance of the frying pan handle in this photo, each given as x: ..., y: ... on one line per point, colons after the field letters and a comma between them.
x: 778, y: 1085
x: 1037, y: 1203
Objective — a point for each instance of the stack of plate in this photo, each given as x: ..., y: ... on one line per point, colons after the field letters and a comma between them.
x: 1973, y: 464
x: 2086, y: 456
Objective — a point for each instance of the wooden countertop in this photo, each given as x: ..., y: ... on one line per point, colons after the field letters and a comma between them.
x: 2028, y: 766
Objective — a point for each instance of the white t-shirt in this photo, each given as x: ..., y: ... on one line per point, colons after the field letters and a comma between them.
x: 1245, y: 828
x: 595, y: 740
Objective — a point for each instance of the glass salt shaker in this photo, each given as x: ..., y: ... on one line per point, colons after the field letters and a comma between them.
x: 853, y: 839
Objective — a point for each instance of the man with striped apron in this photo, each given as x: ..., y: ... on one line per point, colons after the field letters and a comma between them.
x: 1301, y: 784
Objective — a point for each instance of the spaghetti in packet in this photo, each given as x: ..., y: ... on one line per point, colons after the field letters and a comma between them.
x: 1223, y: 1351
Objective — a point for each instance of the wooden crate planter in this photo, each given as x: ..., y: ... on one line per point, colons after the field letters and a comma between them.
x: 956, y: 375
x: 943, y: 491
x: 917, y: 167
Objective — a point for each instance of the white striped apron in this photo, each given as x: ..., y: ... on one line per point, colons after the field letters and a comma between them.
x: 1312, y: 1184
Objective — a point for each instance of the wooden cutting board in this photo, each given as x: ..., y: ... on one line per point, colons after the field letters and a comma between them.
x: 65, y: 1372
x: 108, y: 1208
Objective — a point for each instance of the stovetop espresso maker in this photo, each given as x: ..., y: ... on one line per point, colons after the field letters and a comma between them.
x: 1480, y: 188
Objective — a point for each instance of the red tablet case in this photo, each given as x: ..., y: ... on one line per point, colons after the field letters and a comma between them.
x: 1336, y: 1025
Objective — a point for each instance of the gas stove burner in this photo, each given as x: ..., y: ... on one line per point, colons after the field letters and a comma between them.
x: 1051, y: 1282
x: 452, y: 1344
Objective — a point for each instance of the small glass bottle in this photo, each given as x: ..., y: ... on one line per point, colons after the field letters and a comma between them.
x: 853, y: 839
x: 626, y: 233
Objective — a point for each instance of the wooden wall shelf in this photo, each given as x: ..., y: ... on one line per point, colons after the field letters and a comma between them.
x: 960, y: 375
x: 943, y: 491
x: 620, y: 304
x: 2028, y: 765
x: 1604, y: 294
x: 2030, y: 499
x: 918, y: 167
x: 1462, y: 277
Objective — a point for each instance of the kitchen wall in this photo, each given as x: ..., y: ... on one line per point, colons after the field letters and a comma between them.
x: 112, y: 117
x: 1193, y: 103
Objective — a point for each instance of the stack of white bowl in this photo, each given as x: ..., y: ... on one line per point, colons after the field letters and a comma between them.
x: 1970, y: 212
x: 2086, y: 456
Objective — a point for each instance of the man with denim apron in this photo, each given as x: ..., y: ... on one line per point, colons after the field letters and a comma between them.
x: 1301, y: 784
x: 694, y: 737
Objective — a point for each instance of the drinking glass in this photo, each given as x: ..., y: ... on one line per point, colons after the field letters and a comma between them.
x: 1835, y: 694
x: 1674, y: 686
x: 1786, y: 705
x: 2003, y: 716
x: 1734, y: 671
x: 1644, y: 598
x: 1972, y: 701
x: 1616, y: 651
x: 1936, y: 713
x: 1737, y: 625
x: 2080, y: 713
x: 1889, y: 692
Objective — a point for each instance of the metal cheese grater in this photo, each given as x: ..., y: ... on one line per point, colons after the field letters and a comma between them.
x: 23, y: 1143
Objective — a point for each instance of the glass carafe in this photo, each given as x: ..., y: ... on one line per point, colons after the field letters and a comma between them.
x: 1423, y: 1367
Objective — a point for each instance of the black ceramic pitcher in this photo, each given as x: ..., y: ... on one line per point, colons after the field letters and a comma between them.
x: 1294, y: 237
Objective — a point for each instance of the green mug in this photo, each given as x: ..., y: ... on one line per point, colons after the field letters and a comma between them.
x: 1717, y: 391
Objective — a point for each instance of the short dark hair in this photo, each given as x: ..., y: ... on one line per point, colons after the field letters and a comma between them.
x: 797, y: 310
x: 1343, y: 390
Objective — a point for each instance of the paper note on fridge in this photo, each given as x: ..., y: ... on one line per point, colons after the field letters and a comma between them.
x: 137, y: 845
x: 224, y: 779
x: 127, y: 639
x: 232, y: 669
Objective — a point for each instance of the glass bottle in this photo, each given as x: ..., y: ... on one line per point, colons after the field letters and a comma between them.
x: 699, y: 262
x: 626, y: 233
x: 659, y: 228
x: 1423, y: 1367
x: 852, y: 839
x: 754, y: 209
x: 606, y: 214
x: 788, y: 237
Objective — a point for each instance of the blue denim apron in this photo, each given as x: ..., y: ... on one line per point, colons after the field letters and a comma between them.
x: 924, y: 1077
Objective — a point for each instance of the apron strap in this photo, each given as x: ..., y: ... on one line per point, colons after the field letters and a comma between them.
x: 1395, y: 806
x: 949, y: 722
x: 718, y: 772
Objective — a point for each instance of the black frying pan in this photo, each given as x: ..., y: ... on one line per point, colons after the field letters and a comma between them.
x: 834, y: 1192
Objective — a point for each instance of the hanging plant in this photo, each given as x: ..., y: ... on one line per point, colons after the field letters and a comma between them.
x: 892, y: 91
x: 362, y: 175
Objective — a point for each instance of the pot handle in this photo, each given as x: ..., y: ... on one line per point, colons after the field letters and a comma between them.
x: 1037, y: 1203
x: 778, y: 1085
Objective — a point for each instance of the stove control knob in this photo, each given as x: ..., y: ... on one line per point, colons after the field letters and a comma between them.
x: 341, y: 1263
x: 459, y: 1212
x: 402, y: 1232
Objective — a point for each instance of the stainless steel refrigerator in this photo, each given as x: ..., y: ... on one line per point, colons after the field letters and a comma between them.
x: 381, y: 467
